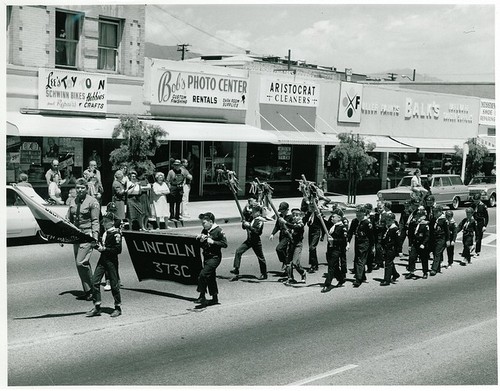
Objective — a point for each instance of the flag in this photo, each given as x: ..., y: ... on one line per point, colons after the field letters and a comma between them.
x: 54, y: 227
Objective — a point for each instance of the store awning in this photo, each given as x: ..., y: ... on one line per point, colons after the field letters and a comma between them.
x: 19, y: 124
x: 206, y: 131
x: 489, y: 142
x: 304, y: 138
x: 386, y: 144
x: 431, y: 145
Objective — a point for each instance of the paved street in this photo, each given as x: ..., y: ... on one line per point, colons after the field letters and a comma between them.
x: 425, y: 332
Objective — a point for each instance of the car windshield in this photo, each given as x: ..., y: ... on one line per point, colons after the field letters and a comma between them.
x: 486, y: 180
x: 406, y: 181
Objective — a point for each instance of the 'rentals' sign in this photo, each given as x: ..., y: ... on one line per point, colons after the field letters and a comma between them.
x: 64, y: 90
x: 174, y: 83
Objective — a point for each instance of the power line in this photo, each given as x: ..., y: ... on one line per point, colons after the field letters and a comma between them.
x: 197, y: 28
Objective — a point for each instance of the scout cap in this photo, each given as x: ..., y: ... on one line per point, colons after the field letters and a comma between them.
x: 207, y: 216
x: 283, y: 206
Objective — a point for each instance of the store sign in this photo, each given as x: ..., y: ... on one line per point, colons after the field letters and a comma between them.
x: 350, y: 102
x: 72, y: 91
x: 487, y: 113
x: 174, y: 84
x: 289, y: 92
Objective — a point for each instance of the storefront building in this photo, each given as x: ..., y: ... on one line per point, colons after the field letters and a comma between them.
x: 409, y: 128
x: 71, y: 72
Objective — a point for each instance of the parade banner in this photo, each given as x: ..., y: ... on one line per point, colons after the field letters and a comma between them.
x: 54, y: 227
x: 158, y: 256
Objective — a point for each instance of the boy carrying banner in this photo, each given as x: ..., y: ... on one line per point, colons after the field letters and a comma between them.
x: 109, y: 247
x: 212, y: 239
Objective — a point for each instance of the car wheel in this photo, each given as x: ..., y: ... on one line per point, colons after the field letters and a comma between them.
x: 492, y: 200
x: 455, y: 203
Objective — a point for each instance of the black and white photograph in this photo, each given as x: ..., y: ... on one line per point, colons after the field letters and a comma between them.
x: 249, y: 194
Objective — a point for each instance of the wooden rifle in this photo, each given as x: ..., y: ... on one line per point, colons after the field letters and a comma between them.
x: 310, y: 192
x: 229, y: 178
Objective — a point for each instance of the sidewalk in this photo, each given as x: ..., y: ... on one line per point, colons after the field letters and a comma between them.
x: 227, y: 212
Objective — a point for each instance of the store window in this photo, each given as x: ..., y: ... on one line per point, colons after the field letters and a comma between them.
x: 109, y: 31
x: 217, y: 155
x: 269, y: 162
x: 68, y: 26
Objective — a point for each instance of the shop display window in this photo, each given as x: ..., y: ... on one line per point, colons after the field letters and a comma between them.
x: 217, y: 155
x: 269, y: 162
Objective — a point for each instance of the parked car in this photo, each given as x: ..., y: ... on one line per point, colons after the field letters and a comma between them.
x: 20, y: 221
x: 486, y: 186
x: 447, y: 189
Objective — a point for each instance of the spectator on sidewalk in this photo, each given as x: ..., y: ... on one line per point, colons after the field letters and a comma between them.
x: 54, y: 169
x: 176, y: 178
x: 55, y: 190
x: 23, y: 180
x: 119, y: 194
x: 186, y: 189
x: 135, y: 207
x: 213, y: 240
x: 159, y: 194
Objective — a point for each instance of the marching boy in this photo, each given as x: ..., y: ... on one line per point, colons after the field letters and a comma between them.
x: 469, y: 227
x: 296, y: 226
x: 450, y: 245
x: 109, y: 247
x: 253, y: 241
x: 390, y: 248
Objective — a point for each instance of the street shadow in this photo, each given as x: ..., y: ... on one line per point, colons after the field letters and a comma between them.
x: 51, y: 315
x: 73, y: 293
x: 158, y: 293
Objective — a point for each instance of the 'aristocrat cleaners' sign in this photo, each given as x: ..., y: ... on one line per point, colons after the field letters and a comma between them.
x: 181, y: 84
x: 59, y: 89
x: 289, y: 92
x: 164, y: 257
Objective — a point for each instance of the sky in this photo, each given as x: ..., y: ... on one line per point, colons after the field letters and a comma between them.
x: 453, y: 42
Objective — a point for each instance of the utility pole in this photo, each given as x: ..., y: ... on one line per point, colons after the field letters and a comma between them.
x: 182, y: 47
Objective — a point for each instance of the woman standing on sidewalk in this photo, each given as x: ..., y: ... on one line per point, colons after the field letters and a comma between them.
x: 159, y: 197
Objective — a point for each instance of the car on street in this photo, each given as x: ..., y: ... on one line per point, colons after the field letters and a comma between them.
x: 20, y: 221
x: 447, y: 189
x: 486, y: 186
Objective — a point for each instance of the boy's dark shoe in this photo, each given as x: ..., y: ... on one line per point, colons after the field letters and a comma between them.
x: 116, y: 312
x: 326, y: 289
x: 200, y: 299
x: 235, y: 271
x: 385, y: 283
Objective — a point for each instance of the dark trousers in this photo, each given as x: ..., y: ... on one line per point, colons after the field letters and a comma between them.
x: 402, y: 237
x: 468, y: 242
x: 418, y: 253
x: 360, y: 257
x: 110, y: 267
x: 439, y: 247
x: 207, y: 276
x: 450, y: 252
x: 257, y: 249
x: 334, y: 260
x: 379, y: 255
x: 295, y: 250
x: 479, y: 237
x: 313, y: 237
x: 175, y: 200
x: 389, y: 267
x: 282, y: 249
x: 370, y: 261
